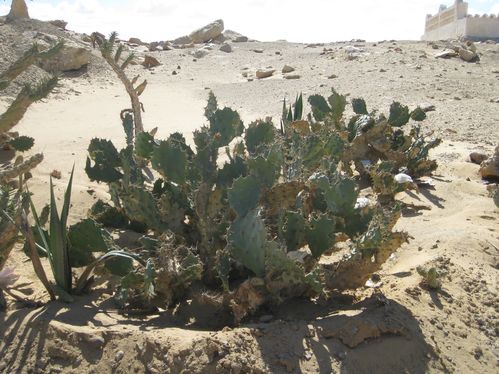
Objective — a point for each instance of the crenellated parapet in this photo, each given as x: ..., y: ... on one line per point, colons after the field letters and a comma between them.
x: 455, y: 22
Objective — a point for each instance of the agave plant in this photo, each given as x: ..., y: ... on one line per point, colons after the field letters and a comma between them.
x: 69, y: 247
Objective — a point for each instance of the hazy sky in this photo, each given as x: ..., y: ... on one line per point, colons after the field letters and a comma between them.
x: 293, y: 20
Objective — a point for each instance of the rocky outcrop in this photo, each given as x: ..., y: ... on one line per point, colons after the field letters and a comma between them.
x: 71, y: 57
x: 18, y: 9
x: 59, y: 23
x: 208, y: 32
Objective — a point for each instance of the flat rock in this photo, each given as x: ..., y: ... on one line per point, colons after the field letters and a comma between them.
x: 240, y: 39
x: 264, y: 73
x: 447, y: 53
x: 59, y: 23
x: 208, y: 32
x: 292, y: 76
x: 182, y: 40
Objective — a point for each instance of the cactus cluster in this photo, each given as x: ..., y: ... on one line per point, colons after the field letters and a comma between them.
x: 251, y: 211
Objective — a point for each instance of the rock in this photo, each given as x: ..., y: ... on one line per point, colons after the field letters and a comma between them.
x: 119, y: 356
x: 182, y: 40
x: 467, y: 55
x: 200, y: 53
x: 18, y: 9
x: 258, y: 50
x: 287, y: 69
x: 495, y: 100
x: 150, y: 62
x: 332, y: 76
x: 208, y: 32
x: 240, y: 39
x: 264, y: 73
x: 292, y: 76
x: 427, y: 107
x: 477, y: 158
x: 135, y: 41
x: 70, y: 57
x: 489, y: 169
x: 86, y: 38
x: 59, y: 23
x: 226, y: 47
x: 154, y: 46
x: 447, y: 53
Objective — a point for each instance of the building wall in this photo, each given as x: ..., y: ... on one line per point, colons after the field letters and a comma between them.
x: 484, y: 27
x: 454, y: 22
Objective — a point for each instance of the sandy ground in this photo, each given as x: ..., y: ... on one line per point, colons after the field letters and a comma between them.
x: 399, y: 327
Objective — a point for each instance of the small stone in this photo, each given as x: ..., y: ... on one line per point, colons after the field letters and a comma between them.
x: 226, y: 47
x: 261, y: 74
x: 427, y: 107
x: 477, y: 158
x: 241, y: 39
x: 258, y: 50
x: 332, y: 76
x: 287, y: 69
x: 56, y: 174
x: 119, y: 356
x: 292, y: 76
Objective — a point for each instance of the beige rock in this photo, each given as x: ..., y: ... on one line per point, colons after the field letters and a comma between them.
x: 467, y: 55
x: 135, y: 41
x: 447, y: 53
x: 264, y: 73
x: 182, y: 40
x: 287, y: 69
x: 150, y: 62
x: 240, y: 39
x: 59, y: 23
x: 477, y: 158
x: 489, y: 169
x: 208, y: 32
x: 18, y: 9
x: 71, y: 57
x: 292, y: 76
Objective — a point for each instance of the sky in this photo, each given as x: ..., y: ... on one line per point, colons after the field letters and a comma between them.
x: 266, y: 20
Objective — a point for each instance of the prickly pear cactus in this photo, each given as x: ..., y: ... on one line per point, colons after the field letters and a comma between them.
x: 252, y: 211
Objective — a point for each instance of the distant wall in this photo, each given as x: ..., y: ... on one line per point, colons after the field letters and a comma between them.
x: 484, y: 27
x: 454, y: 22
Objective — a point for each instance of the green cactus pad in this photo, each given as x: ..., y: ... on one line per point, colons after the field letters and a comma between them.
x: 399, y: 115
x: 22, y: 143
x: 225, y: 125
x: 244, y: 195
x: 359, y: 106
x: 247, y: 242
x: 320, y: 235
x: 259, y: 133
x: 170, y: 161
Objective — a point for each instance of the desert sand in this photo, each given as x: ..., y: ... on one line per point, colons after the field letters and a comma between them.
x: 396, y: 327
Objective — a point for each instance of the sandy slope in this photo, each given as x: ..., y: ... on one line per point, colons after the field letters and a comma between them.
x: 408, y: 329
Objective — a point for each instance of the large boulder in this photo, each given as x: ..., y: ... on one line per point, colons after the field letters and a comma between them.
x: 182, y: 40
x: 71, y: 57
x: 18, y: 9
x: 489, y: 168
x: 208, y: 32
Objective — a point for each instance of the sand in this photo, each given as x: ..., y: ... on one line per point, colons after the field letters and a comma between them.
x: 397, y: 327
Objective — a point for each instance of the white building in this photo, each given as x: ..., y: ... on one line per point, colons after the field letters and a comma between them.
x: 455, y: 22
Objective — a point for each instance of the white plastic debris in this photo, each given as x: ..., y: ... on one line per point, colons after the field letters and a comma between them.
x: 403, y: 178
x: 361, y: 203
